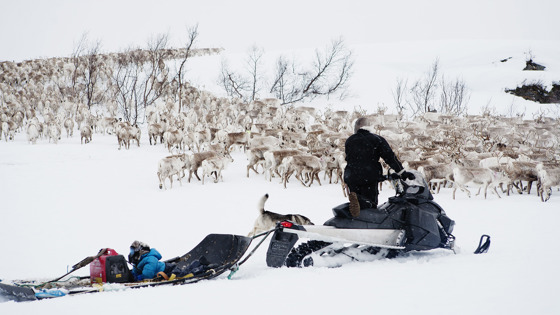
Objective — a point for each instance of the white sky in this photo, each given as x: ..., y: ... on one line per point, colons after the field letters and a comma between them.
x: 33, y: 29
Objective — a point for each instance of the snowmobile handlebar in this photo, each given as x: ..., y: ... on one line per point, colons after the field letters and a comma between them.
x: 399, y: 180
x: 395, y: 176
x: 391, y: 176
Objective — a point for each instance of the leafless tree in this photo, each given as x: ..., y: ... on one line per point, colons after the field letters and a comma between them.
x: 287, y: 82
x: 424, y: 90
x: 454, y: 97
x: 235, y: 85
x: 280, y: 83
x: 248, y: 84
x: 432, y: 93
x: 254, y: 66
x: 155, y: 79
x: 82, y: 85
x: 512, y: 111
x: 329, y: 73
x: 488, y: 110
x: 141, y: 77
x: 192, y: 35
x: 399, y: 95
x: 125, y: 81
x: 91, y: 73
x: 73, y: 88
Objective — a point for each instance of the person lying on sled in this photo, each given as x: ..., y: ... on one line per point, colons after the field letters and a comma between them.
x: 146, y: 262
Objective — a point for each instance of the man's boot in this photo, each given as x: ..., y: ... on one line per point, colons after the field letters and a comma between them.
x: 354, y: 204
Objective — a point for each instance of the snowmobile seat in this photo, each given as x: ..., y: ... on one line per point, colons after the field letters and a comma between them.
x: 343, y: 211
x: 370, y: 218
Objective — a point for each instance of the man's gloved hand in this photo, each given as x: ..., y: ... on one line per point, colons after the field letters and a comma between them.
x: 407, y: 175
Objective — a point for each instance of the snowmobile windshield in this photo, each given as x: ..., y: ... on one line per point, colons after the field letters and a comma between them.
x: 417, y: 187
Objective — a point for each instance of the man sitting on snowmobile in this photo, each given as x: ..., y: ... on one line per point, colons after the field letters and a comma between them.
x: 363, y: 171
x: 145, y: 262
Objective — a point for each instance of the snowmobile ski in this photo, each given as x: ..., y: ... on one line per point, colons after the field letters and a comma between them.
x: 384, y: 238
x: 284, y: 239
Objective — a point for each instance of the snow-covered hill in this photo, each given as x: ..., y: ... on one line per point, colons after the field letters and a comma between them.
x: 379, y: 66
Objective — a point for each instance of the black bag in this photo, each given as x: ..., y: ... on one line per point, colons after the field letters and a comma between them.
x: 196, y: 267
x: 116, y: 270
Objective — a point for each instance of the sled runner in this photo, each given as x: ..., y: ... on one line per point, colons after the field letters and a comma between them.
x: 214, y: 255
x: 16, y: 293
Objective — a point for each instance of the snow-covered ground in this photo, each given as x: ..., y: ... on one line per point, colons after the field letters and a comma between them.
x: 60, y: 203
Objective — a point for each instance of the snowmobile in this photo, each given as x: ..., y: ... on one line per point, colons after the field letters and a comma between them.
x: 408, y: 221
x: 214, y: 255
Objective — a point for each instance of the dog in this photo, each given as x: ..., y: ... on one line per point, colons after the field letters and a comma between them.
x: 267, y: 219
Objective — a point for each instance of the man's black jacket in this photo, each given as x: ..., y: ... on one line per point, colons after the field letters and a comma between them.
x: 363, y: 150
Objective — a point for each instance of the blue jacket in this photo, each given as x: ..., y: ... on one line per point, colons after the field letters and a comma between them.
x: 148, y: 266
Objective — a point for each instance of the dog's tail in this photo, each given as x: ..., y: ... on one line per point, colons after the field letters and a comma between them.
x: 262, y: 202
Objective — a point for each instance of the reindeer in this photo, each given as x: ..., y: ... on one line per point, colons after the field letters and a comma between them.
x: 215, y: 165
x: 477, y: 176
x: 301, y: 165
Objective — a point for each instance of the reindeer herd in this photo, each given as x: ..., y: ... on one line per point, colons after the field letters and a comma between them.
x: 476, y: 151
x: 484, y: 152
